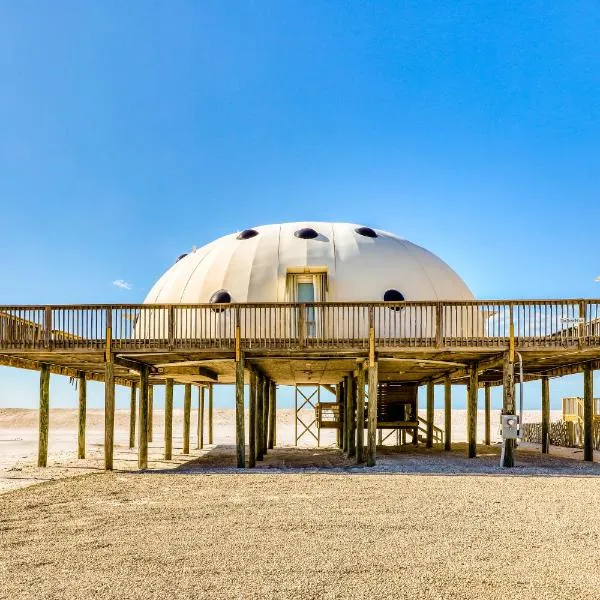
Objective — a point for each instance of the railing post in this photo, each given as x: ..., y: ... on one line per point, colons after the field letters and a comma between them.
x: 171, y: 326
x: 582, y: 324
x: 439, y: 325
x: 302, y: 325
x: 108, y: 339
x: 47, y: 326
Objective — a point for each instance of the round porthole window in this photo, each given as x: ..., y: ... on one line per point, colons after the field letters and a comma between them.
x: 181, y: 256
x: 366, y: 231
x: 393, y: 296
x: 220, y: 297
x: 306, y: 233
x: 247, y: 234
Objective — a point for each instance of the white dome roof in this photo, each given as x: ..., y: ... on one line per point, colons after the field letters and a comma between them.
x: 359, y: 268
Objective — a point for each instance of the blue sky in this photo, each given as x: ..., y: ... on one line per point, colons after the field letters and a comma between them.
x: 130, y: 132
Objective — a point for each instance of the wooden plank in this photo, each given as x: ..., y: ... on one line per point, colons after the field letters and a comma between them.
x: 259, y: 417
x: 588, y: 414
x: 168, y: 419
x: 488, y: 411
x: 473, y: 391
x: 272, y: 415
x: 109, y: 414
x: 545, y: 415
x: 210, y: 414
x: 265, y: 415
x: 372, y: 415
x: 200, y: 428
x: 352, y: 417
x: 150, y: 411
x: 143, y: 420
x: 252, y: 419
x: 448, y: 414
x: 82, y: 410
x: 187, y: 413
x: 430, y: 414
x: 132, y: 414
x: 240, y: 439
x: 44, y: 415
x: 507, y: 458
x: 360, y: 414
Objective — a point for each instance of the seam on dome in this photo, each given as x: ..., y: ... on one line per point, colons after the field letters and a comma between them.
x: 193, y: 271
x: 407, y: 245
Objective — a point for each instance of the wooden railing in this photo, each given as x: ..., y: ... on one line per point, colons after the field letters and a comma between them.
x: 573, y: 409
x: 534, y: 323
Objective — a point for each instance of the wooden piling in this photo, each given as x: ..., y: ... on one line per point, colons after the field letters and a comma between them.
x: 473, y: 390
x: 239, y: 411
x: 210, y: 414
x: 372, y: 415
x: 187, y: 412
x: 430, y: 413
x: 447, y: 414
x: 82, y: 389
x: 150, y: 411
x: 200, y: 428
x: 265, y: 423
x: 109, y: 413
x: 143, y: 420
x: 588, y: 413
x: 360, y: 415
x: 545, y: 414
x: 44, y: 415
x: 488, y: 411
x: 344, y: 415
x: 132, y: 415
x: 338, y: 400
x: 168, y: 419
x: 272, y: 415
x: 352, y: 417
x: 252, y: 420
x: 508, y: 406
x: 259, y: 417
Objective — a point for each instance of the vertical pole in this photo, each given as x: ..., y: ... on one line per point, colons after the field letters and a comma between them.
x: 588, y: 413
x: 430, y: 398
x: 360, y: 414
x: 345, y: 415
x: 447, y: 414
x: 252, y: 421
x: 210, y: 414
x: 240, y: 437
x: 143, y: 420
x: 150, y: 411
x: 338, y: 400
x: 200, y: 417
x: 132, y: 415
x: 352, y: 420
x: 187, y: 410
x: 82, y: 414
x: 488, y: 413
x: 44, y: 415
x: 272, y: 415
x: 347, y: 411
x: 372, y: 417
x: 168, y: 419
x: 473, y: 391
x: 545, y: 414
x: 507, y: 458
x: 265, y: 415
x: 260, y: 389
x: 109, y: 413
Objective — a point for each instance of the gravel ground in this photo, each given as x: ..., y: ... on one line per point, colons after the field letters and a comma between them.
x: 422, y: 525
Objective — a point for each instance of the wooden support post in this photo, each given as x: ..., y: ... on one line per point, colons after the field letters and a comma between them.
x: 272, y: 415
x: 200, y: 432
x: 473, y: 390
x: 252, y: 420
x: 372, y: 418
x: 132, y: 415
x: 347, y: 414
x: 508, y: 407
x: 210, y: 413
x: 430, y: 413
x: 338, y: 400
x: 44, y: 415
x: 447, y: 414
x: 265, y: 427
x: 352, y: 415
x: 588, y: 413
x: 82, y: 414
x: 240, y: 437
x: 488, y: 413
x: 259, y: 417
x: 344, y: 415
x: 168, y: 419
x: 545, y: 415
x: 187, y: 413
x: 109, y: 413
x: 143, y: 420
x: 360, y: 415
x: 150, y: 411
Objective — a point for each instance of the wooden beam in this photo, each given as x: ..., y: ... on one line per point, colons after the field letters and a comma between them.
x: 240, y: 437
x: 109, y: 414
x: 150, y: 411
x: 344, y: 415
x: 252, y: 419
x: 360, y: 414
x: 447, y: 413
x: 143, y: 420
x: 188, y: 370
x: 259, y: 416
x: 200, y: 428
x: 82, y: 411
x: 168, y: 419
x: 44, y: 415
x: 338, y: 400
x: 132, y: 364
x: 488, y: 410
x: 132, y: 415
x: 588, y: 414
x: 351, y: 417
x: 508, y: 407
x: 265, y: 415
x: 545, y: 415
x: 372, y: 419
x: 430, y: 414
x: 272, y: 414
x: 187, y: 411
x: 473, y: 391
x: 210, y: 414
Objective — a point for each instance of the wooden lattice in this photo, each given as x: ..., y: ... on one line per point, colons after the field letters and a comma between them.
x: 562, y: 433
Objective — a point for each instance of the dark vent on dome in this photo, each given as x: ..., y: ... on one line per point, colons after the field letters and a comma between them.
x: 393, y: 296
x: 220, y: 297
x: 366, y: 231
x: 306, y: 233
x: 247, y: 234
x: 181, y: 256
